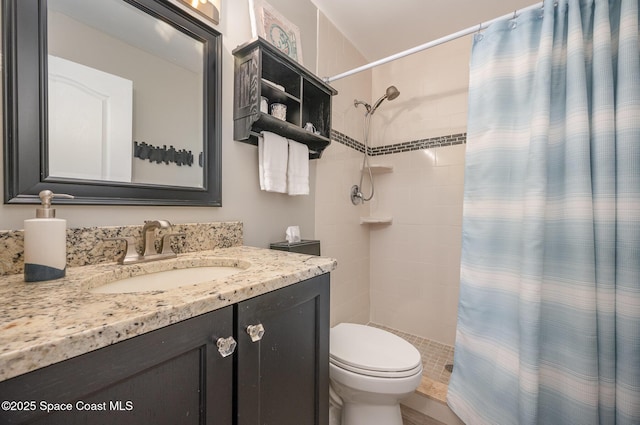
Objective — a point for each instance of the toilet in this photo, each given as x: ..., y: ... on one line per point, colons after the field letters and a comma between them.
x: 370, y: 371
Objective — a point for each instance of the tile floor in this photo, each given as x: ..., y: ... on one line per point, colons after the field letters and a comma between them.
x: 435, y: 377
x: 435, y: 356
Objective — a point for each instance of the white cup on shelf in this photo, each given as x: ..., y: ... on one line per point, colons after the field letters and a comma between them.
x: 279, y: 110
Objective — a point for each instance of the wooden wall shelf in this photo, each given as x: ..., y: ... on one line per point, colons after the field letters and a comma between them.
x: 259, y: 67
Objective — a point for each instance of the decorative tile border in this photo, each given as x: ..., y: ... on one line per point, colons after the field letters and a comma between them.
x: 414, y: 145
x: 346, y: 140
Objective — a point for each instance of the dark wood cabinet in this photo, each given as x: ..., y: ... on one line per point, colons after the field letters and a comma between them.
x: 176, y: 375
x: 261, y: 70
x: 284, y: 377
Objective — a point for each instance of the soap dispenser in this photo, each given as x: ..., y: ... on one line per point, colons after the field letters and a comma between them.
x: 45, y: 242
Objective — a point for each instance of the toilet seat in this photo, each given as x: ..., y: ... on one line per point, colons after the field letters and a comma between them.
x: 377, y: 373
x: 372, y: 352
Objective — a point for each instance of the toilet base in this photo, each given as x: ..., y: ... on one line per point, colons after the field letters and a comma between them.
x: 369, y: 414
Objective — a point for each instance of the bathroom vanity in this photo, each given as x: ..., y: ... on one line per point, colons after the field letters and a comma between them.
x: 167, y: 357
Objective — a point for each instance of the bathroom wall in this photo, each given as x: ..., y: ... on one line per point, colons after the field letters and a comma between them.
x: 265, y: 215
x: 412, y: 279
x: 415, y: 261
x: 434, y: 90
x: 423, y: 193
x: 163, y: 90
x: 303, y: 15
x: 337, y: 219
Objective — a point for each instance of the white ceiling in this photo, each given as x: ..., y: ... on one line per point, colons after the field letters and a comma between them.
x: 379, y: 28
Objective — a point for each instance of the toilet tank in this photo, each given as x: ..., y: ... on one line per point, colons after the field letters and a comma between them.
x: 305, y: 246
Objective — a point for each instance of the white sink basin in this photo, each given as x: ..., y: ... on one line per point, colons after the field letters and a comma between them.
x: 167, y: 279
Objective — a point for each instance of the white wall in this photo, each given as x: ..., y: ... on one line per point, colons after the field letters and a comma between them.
x: 265, y: 215
x: 433, y: 88
x: 303, y: 15
x: 164, y: 92
x: 412, y: 279
x: 337, y: 219
x: 415, y: 262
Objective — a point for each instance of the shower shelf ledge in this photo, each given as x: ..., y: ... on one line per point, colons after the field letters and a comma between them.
x: 380, y: 168
x: 376, y: 220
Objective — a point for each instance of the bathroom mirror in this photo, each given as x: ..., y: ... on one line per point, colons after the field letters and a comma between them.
x: 112, y: 101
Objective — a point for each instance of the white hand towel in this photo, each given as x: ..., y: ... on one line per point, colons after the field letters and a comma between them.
x: 298, y: 169
x: 272, y: 162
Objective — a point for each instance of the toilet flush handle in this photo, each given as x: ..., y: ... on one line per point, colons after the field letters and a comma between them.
x: 255, y: 332
x: 226, y: 346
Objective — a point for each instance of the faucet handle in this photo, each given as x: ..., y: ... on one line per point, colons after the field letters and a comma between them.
x: 165, y: 245
x: 130, y: 254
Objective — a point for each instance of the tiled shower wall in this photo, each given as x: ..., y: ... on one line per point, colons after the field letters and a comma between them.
x: 404, y: 275
x: 415, y: 262
x: 337, y: 220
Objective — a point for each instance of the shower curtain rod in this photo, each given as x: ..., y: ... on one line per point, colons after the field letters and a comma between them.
x: 433, y: 43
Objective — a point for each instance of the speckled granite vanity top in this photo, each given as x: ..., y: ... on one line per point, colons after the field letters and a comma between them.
x: 47, y: 322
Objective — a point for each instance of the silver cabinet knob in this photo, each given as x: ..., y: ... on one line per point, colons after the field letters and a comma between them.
x: 255, y: 332
x: 226, y: 346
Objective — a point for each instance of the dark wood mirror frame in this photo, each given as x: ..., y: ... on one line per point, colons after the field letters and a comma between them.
x: 24, y: 32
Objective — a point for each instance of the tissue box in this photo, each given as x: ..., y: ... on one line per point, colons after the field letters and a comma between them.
x: 305, y: 246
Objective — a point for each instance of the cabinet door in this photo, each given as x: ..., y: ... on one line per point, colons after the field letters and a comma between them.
x: 174, y: 375
x: 283, y: 379
x: 247, y: 87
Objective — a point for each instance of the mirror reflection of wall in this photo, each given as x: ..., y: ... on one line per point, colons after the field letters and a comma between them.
x: 90, y: 118
x: 164, y: 68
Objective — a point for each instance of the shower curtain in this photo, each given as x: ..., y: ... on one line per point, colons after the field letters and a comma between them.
x: 549, y: 311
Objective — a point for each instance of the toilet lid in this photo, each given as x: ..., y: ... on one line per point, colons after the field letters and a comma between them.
x: 372, y: 351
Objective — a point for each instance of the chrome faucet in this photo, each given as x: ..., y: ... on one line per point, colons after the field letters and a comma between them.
x: 149, y: 253
x: 148, y: 236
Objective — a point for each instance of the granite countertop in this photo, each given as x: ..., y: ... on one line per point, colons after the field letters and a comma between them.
x: 46, y: 322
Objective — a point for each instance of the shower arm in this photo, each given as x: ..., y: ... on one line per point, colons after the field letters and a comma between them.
x: 357, y: 102
x: 378, y: 102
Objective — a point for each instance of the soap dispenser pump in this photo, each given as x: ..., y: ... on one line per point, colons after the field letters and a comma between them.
x: 45, y: 242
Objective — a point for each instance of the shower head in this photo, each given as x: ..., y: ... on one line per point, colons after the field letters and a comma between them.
x: 391, y: 93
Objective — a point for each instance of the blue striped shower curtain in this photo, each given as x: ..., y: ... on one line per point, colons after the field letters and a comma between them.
x: 549, y: 311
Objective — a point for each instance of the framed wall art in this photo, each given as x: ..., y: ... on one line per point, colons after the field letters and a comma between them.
x: 269, y: 24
